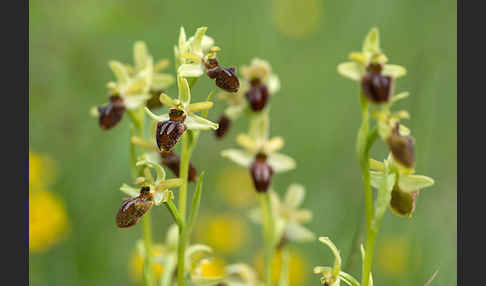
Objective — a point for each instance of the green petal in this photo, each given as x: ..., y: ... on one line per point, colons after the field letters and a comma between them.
x: 131, y: 191
x: 158, y: 169
x: 135, y: 100
x: 295, y: 195
x: 162, y: 81
x: 163, y: 117
x: 190, y: 70
x: 199, y: 106
x: 167, y: 101
x: 281, y: 163
x: 240, y: 157
x: 350, y: 70
x: 395, y: 71
x: 196, y: 43
x: 372, y: 41
x: 184, y: 90
x: 195, y: 122
x: 410, y: 183
x: 140, y: 54
x: 298, y: 233
x: 120, y: 71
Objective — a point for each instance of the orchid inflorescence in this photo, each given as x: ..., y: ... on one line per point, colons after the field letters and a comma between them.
x: 142, y: 88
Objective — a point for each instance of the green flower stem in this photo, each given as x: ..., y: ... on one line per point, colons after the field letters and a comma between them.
x: 138, y: 120
x: 268, y: 236
x: 365, y: 141
x: 185, y: 231
x: 149, y: 278
x: 284, y: 269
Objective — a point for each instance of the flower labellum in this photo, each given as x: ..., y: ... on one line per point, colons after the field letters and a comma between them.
x: 169, y: 132
x: 257, y: 95
x: 112, y: 113
x: 403, y: 203
x: 132, y: 209
x: 225, y: 77
x: 401, y: 147
x: 261, y: 173
x: 173, y: 162
x: 154, y: 101
x: 376, y: 87
x: 224, y: 126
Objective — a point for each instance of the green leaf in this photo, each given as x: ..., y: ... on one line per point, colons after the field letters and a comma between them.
x: 395, y: 71
x: 410, y: 183
x: 158, y: 118
x: 120, y: 71
x: 240, y: 157
x: 184, y: 90
x: 281, y: 163
x: 351, y: 70
x: 190, y: 70
x: 195, y: 122
x: 372, y: 41
x: 196, y: 201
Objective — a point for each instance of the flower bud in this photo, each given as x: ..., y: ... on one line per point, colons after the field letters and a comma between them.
x: 112, y: 113
x: 225, y: 77
x: 224, y: 126
x: 403, y: 203
x: 376, y: 87
x: 154, y: 102
x: 173, y: 162
x: 261, y: 173
x: 401, y: 147
x: 132, y: 209
x: 169, y: 132
x: 257, y: 95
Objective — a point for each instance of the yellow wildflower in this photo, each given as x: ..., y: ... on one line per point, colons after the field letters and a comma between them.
x: 136, y: 267
x: 47, y: 220
x: 224, y: 232
x: 212, y: 268
x: 236, y: 188
x: 41, y: 171
x: 298, y: 267
x: 393, y: 255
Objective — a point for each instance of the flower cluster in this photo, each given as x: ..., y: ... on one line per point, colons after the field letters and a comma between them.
x: 259, y: 84
x: 135, y: 86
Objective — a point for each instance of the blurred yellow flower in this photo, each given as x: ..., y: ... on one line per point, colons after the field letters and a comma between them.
x: 393, y: 255
x: 236, y: 188
x: 41, y: 171
x: 212, y: 268
x: 47, y: 220
x: 298, y: 267
x: 224, y: 232
x: 136, y: 265
x: 297, y: 18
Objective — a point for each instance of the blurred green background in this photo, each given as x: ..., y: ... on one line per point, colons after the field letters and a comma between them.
x: 316, y: 111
